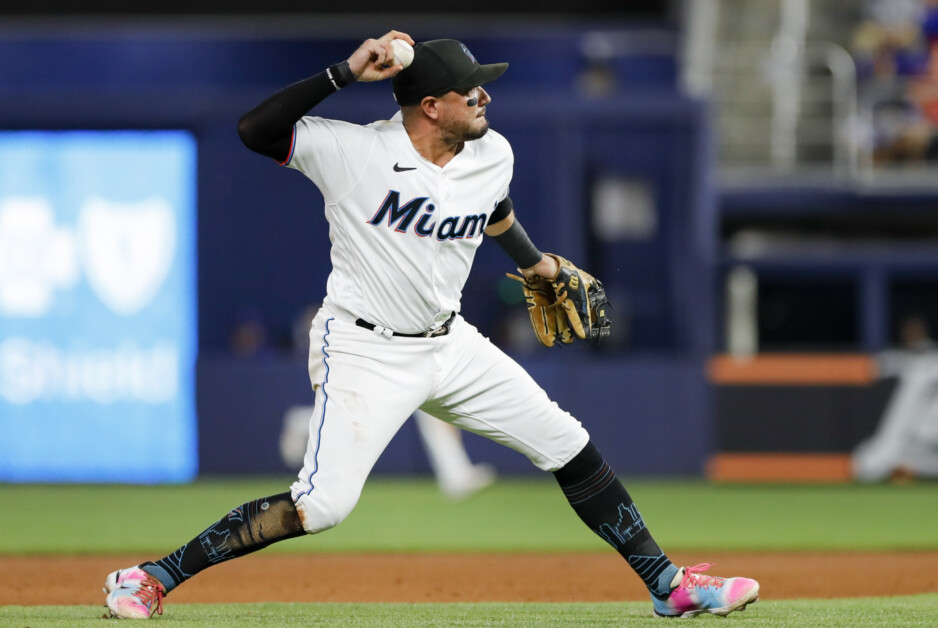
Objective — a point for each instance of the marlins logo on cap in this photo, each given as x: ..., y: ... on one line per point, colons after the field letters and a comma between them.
x: 468, y: 54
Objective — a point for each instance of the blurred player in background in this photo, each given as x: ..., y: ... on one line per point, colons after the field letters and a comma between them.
x: 456, y: 475
x: 905, y: 444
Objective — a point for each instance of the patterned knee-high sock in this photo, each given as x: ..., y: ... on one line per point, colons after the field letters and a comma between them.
x: 246, y: 529
x: 603, y: 504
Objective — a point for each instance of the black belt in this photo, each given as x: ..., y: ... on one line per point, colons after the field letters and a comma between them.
x: 442, y: 330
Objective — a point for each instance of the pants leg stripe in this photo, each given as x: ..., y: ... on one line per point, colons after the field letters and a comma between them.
x: 325, y: 402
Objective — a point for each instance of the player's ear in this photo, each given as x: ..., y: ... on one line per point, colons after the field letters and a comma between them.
x: 431, y: 107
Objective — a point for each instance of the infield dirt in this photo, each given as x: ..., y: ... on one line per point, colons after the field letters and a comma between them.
x: 43, y: 580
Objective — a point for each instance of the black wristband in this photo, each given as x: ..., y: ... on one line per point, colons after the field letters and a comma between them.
x: 518, y: 245
x: 340, y: 74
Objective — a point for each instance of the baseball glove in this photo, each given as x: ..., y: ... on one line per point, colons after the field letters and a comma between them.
x: 570, y: 305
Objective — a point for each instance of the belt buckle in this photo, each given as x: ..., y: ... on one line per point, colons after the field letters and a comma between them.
x: 442, y: 330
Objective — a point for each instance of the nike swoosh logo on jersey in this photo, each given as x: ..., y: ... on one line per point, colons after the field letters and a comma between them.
x: 399, y: 169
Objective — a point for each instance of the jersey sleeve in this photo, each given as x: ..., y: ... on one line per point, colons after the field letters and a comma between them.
x: 332, y: 153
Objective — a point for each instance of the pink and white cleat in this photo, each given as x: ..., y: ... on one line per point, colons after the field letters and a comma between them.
x: 698, y: 594
x: 133, y: 594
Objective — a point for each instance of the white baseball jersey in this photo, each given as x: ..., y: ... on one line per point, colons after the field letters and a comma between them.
x: 404, y: 232
x: 404, y: 236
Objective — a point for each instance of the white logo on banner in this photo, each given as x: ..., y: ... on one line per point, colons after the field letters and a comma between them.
x: 36, y: 257
x: 33, y: 370
x: 127, y: 250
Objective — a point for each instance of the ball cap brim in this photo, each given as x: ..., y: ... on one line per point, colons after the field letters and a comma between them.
x: 441, y: 66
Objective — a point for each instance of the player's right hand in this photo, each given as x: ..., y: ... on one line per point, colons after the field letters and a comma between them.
x: 373, y: 61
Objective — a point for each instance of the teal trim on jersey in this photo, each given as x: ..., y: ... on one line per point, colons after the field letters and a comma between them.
x: 325, y: 402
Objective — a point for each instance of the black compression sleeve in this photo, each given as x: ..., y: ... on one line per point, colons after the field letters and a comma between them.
x: 268, y: 128
x: 518, y: 245
x: 501, y: 210
x: 600, y: 500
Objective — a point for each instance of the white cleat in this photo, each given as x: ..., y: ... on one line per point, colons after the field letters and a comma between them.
x: 480, y: 476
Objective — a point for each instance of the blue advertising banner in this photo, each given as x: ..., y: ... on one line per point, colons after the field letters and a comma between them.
x: 97, y: 306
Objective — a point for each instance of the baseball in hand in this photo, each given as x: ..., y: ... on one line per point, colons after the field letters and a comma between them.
x: 403, y: 52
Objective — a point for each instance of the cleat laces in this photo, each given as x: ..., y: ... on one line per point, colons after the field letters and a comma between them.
x: 694, y: 578
x: 150, y: 592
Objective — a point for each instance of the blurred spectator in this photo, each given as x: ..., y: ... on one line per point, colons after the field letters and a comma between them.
x: 888, y: 40
x: 902, y: 134
x: 930, y: 22
x: 249, y: 335
x: 923, y: 89
x: 300, y: 332
x: 896, y: 53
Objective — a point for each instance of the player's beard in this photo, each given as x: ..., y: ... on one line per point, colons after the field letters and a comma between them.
x: 465, y: 132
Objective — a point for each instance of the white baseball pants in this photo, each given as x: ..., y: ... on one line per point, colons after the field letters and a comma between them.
x: 367, y: 385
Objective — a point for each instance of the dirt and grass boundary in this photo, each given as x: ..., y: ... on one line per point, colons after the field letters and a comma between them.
x: 565, y: 577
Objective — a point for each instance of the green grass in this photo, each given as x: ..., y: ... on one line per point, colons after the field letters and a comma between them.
x: 528, y: 515
x: 919, y: 610
x: 514, y: 515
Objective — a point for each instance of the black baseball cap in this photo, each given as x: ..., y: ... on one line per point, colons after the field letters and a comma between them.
x: 440, y: 66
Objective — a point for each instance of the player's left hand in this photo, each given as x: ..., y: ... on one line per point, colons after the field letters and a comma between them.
x: 569, y: 304
x: 371, y: 61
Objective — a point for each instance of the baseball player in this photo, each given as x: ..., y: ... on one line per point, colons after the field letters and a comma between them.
x: 408, y: 201
x: 456, y: 475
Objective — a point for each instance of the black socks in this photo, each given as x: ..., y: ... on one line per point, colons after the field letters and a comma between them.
x: 246, y: 529
x: 604, y: 505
